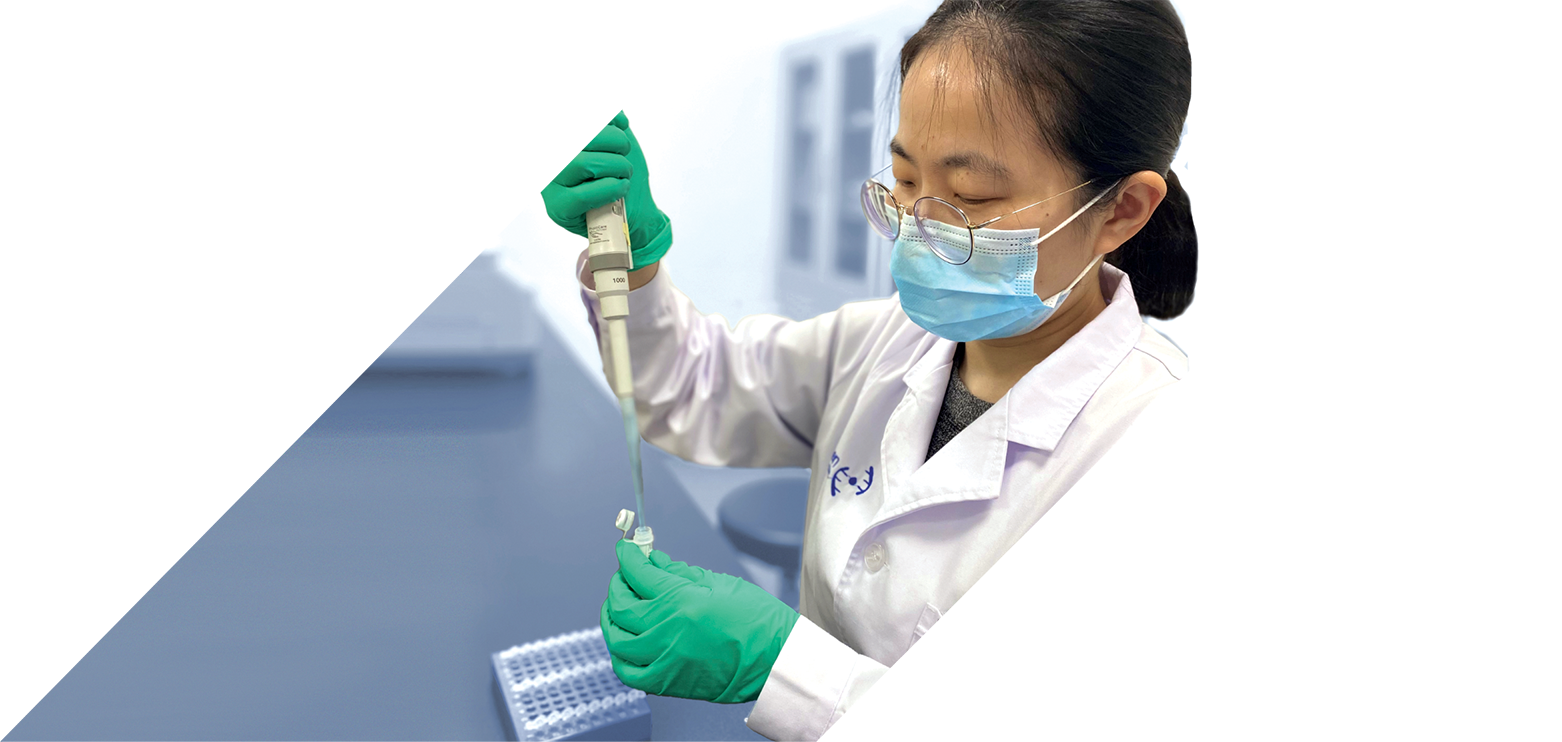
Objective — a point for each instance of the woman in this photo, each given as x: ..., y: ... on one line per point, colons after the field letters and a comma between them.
x: 1035, y: 219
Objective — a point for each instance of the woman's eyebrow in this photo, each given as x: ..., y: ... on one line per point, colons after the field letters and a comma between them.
x: 974, y: 161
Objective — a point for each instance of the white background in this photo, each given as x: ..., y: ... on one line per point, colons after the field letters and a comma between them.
x: 212, y: 219
x: 341, y: 222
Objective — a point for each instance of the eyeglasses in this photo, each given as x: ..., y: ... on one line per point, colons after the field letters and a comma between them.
x: 938, y: 221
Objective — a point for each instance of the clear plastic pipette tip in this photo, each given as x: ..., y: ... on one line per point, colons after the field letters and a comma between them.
x: 632, y: 437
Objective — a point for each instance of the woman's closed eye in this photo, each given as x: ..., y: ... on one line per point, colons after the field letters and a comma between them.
x: 906, y: 190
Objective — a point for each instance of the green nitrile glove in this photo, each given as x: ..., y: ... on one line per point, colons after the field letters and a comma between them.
x: 677, y: 630
x: 609, y: 168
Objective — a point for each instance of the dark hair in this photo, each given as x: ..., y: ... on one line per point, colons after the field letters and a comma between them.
x: 1108, y: 82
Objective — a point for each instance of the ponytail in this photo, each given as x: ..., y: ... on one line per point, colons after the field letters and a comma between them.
x: 1162, y: 259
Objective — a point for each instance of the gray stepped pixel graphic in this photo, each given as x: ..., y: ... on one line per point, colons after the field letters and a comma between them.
x: 563, y: 688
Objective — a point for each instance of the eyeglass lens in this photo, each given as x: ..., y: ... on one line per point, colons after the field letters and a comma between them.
x: 938, y: 223
x: 879, y: 206
x: 944, y: 229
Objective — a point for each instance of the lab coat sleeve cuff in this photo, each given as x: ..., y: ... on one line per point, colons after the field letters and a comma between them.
x: 645, y: 303
x: 815, y: 679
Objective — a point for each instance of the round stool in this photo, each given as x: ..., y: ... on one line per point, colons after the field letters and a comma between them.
x: 764, y: 519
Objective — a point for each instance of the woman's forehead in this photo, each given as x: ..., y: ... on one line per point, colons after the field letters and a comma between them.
x: 951, y: 116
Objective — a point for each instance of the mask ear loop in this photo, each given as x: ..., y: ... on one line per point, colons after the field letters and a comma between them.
x: 1052, y: 301
x: 1074, y: 216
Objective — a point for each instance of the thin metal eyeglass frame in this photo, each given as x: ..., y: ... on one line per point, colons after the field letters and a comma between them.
x: 900, y: 210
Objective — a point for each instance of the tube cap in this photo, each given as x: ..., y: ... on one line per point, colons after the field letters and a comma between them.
x: 644, y: 539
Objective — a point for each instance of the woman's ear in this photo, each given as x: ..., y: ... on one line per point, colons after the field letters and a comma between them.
x: 1140, y: 196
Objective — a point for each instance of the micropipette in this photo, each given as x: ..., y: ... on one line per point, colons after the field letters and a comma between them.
x: 609, y: 260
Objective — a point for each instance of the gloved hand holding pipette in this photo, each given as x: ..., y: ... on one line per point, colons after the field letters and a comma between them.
x: 610, y: 168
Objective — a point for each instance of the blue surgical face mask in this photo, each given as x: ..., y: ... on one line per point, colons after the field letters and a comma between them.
x: 993, y: 295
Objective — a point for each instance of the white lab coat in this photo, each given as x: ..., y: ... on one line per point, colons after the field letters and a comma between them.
x: 859, y: 389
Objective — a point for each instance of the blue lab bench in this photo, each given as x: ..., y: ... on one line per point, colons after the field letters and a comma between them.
x: 359, y: 588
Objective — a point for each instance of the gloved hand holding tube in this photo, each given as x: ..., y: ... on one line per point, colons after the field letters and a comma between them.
x: 678, y: 630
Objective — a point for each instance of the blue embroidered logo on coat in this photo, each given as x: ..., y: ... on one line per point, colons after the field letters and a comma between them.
x: 844, y: 474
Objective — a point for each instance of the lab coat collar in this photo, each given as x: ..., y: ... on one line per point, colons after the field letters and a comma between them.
x: 1035, y: 412
x: 1054, y: 392
x: 1051, y: 395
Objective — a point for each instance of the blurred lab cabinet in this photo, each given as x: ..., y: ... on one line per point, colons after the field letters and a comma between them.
x: 483, y: 323
x: 838, y: 113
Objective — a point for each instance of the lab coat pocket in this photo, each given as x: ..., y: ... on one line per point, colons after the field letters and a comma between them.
x: 923, y: 638
x: 914, y: 649
x: 928, y: 622
x: 916, y: 678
